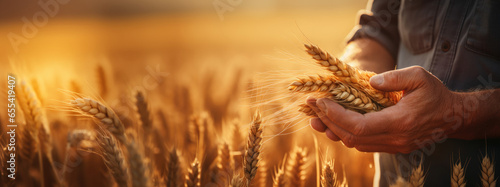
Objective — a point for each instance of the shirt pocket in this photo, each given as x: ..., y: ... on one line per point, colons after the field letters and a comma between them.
x: 416, y: 24
x: 483, y: 35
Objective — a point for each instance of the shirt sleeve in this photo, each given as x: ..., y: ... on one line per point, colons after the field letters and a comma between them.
x: 380, y: 22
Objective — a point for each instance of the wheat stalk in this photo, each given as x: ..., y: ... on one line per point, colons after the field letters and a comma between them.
x: 193, y: 176
x: 107, y: 117
x: 296, y: 167
x: 254, y: 144
x: 487, y: 172
x: 101, y: 78
x: 173, y: 169
x: 352, y: 76
x: 417, y: 177
x: 328, y: 176
x: 458, y: 175
x: 113, y: 158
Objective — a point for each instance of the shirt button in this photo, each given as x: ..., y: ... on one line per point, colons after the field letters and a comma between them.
x: 445, y: 46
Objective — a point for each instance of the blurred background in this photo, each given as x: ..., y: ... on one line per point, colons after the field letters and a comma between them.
x: 222, y: 43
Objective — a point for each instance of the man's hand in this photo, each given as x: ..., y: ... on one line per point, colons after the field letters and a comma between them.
x: 417, y: 117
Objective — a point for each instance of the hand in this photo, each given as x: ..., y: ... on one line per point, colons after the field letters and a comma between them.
x: 416, y: 118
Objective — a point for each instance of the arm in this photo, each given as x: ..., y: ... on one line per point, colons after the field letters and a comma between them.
x: 368, y: 54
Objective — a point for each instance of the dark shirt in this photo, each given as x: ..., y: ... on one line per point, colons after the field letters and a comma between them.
x: 459, y: 42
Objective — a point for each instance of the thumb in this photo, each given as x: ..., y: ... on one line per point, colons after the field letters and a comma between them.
x: 403, y: 79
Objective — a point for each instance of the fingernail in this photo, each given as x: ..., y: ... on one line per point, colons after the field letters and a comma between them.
x: 321, y: 105
x: 378, y: 79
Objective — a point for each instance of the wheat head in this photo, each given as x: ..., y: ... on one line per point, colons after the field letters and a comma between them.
x: 193, y: 176
x: 487, y: 172
x: 328, y: 176
x: 458, y: 176
x: 113, y: 158
x: 107, y: 117
x: 296, y: 170
x: 350, y: 75
x: 279, y: 175
x: 254, y: 144
x: 142, y: 108
x: 417, y: 177
x: 139, y: 170
x: 173, y: 169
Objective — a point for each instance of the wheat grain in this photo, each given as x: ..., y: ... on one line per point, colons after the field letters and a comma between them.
x: 417, y: 177
x: 107, y: 117
x: 296, y: 167
x: 487, y: 172
x: 77, y: 136
x: 352, y: 76
x: 193, y: 176
x: 458, y: 176
x: 254, y: 144
x: 113, y: 158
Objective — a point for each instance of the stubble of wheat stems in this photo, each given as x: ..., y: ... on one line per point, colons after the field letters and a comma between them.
x: 417, y: 177
x: 458, y: 176
x: 254, y: 144
x: 193, y: 176
x: 487, y: 172
x: 352, y: 76
x: 107, y: 117
x: 113, y: 158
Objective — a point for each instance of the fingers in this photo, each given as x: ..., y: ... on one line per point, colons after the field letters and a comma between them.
x: 331, y: 135
x: 403, y: 79
x: 317, y: 125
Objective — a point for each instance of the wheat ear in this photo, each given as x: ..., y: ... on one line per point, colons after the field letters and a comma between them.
x: 417, y: 177
x: 237, y: 181
x: 193, y: 176
x: 143, y: 111
x: 173, y: 169
x: 254, y: 144
x: 352, y: 76
x: 458, y: 175
x: 138, y: 168
x: 344, y: 94
x: 74, y: 139
x: 113, y: 158
x: 296, y: 167
x: 328, y: 176
x: 108, y: 118
x: 400, y: 182
x: 487, y: 172
x: 279, y: 175
x: 224, y: 161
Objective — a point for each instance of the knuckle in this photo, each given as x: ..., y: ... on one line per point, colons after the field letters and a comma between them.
x: 419, y: 71
x: 349, y: 141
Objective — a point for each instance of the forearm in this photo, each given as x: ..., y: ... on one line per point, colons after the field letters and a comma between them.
x: 480, y: 114
x: 368, y: 54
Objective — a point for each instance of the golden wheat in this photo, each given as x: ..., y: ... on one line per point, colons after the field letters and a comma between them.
x: 458, y: 175
x: 296, y: 170
x: 113, y: 157
x: 328, y: 176
x: 193, y: 176
x: 107, y: 117
x: 173, y: 169
x: 352, y: 76
x: 417, y: 177
x: 254, y: 144
x: 139, y: 170
x: 487, y: 172
x: 279, y: 175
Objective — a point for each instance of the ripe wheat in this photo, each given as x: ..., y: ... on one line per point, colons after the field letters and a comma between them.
x: 487, y: 172
x: 254, y: 144
x: 458, y: 176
